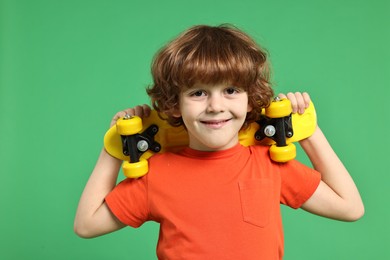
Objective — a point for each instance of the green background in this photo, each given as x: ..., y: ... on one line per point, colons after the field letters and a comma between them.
x: 66, y: 67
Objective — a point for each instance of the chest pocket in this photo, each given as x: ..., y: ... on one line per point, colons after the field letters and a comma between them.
x: 256, y: 201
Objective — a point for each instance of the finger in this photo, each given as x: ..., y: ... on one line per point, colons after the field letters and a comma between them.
x: 128, y: 111
x: 293, y: 100
x: 118, y: 115
x: 146, y: 109
x: 301, y: 106
x: 139, y: 111
x: 281, y: 95
x: 307, y: 99
x: 122, y: 114
x: 142, y: 110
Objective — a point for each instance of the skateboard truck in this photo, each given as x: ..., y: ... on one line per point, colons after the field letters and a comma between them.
x: 135, y: 144
x: 276, y: 124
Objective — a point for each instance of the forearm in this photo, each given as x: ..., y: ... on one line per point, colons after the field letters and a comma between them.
x: 101, y: 182
x: 333, y: 173
x: 93, y: 217
x: 325, y: 160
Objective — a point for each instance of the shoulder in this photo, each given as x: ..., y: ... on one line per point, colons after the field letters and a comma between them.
x: 163, y: 157
x: 164, y: 163
x: 260, y: 154
x: 259, y: 149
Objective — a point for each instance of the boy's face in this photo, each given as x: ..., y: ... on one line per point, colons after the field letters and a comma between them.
x: 213, y: 115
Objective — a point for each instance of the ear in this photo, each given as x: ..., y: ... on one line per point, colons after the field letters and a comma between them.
x: 176, y: 112
x: 249, y: 108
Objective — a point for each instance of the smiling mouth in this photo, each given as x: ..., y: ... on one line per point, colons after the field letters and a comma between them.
x: 215, y: 123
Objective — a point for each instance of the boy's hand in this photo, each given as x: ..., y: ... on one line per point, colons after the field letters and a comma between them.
x: 140, y: 110
x: 299, y: 101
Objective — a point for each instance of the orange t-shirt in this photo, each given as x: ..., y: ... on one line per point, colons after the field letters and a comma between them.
x: 215, y: 205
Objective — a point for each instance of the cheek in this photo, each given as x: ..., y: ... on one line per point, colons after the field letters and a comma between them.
x: 246, y: 105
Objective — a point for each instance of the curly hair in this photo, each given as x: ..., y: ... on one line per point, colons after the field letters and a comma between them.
x: 210, y: 55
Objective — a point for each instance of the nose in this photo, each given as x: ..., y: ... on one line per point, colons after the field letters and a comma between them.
x: 215, y: 104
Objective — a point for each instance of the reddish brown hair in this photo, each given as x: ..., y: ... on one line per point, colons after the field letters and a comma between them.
x: 210, y: 55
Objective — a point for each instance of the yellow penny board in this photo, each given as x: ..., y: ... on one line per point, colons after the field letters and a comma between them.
x: 175, y: 138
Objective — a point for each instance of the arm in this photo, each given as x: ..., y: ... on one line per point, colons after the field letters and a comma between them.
x: 337, y: 196
x: 93, y: 217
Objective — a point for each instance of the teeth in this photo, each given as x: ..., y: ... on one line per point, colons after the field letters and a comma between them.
x: 214, y: 122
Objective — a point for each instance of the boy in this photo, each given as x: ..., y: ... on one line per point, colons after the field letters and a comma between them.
x: 216, y: 199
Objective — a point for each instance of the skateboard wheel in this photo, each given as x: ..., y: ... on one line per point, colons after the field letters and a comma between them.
x: 278, y: 109
x: 135, y: 170
x: 129, y: 126
x: 282, y: 153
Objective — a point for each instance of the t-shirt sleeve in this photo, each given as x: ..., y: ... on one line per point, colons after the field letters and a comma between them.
x: 128, y: 201
x: 298, y: 183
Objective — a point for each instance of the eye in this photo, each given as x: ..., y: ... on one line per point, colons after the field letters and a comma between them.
x: 232, y: 90
x: 197, y: 93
